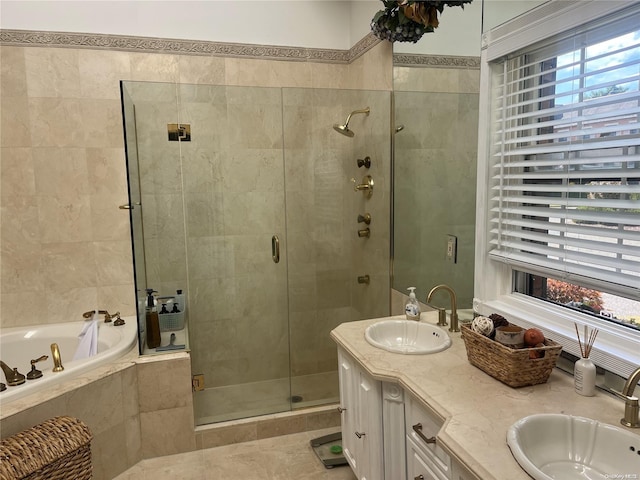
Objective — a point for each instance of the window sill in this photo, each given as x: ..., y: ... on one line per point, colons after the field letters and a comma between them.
x: 616, y: 349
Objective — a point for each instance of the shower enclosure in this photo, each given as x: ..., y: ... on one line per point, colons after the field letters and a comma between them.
x: 255, y: 218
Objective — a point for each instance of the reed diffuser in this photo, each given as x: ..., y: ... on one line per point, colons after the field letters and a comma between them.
x: 584, y: 373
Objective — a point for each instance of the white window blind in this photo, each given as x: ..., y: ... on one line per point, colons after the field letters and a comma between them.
x: 565, y: 157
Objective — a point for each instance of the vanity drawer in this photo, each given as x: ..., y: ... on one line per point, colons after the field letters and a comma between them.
x: 419, y: 467
x: 422, y: 425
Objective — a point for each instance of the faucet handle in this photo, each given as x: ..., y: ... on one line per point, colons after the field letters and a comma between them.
x: 35, y: 373
x: 442, y: 315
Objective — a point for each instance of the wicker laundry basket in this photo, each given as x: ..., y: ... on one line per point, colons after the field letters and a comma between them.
x: 512, y: 366
x: 57, y: 449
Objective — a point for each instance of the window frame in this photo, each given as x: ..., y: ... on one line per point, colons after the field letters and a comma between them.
x: 617, y: 348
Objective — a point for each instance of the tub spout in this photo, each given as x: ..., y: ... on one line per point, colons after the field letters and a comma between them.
x: 13, y: 376
x: 57, y: 360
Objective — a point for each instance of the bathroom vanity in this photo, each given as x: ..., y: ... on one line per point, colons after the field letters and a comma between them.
x: 407, y: 417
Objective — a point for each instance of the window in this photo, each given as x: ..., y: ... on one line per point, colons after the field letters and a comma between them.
x: 561, y: 161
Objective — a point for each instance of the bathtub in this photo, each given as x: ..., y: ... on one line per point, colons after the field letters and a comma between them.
x: 19, y: 345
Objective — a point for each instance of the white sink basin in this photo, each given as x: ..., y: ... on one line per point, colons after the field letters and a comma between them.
x: 563, y: 447
x: 407, y: 336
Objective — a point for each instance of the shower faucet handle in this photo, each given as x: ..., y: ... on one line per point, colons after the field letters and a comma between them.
x: 366, y: 162
x: 365, y: 187
x: 366, y: 218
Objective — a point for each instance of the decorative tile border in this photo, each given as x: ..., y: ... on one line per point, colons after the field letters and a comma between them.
x: 184, y: 47
x: 440, y: 61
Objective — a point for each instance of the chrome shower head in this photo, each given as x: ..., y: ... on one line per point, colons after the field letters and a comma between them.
x: 344, y: 129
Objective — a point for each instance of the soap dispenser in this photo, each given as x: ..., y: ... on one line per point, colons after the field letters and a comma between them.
x: 152, y: 321
x: 412, y: 307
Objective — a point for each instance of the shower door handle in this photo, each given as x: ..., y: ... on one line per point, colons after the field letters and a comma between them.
x: 275, y: 249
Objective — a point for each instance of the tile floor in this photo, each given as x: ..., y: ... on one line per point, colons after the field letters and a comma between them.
x: 289, y: 457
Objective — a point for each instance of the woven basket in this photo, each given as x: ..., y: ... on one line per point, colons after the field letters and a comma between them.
x: 57, y: 449
x: 511, y: 366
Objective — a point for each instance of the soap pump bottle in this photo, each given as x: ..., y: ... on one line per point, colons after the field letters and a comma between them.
x: 412, y: 307
x: 152, y: 321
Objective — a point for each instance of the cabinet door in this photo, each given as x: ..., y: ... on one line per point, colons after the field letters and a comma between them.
x: 349, y: 409
x: 420, y: 467
x: 369, y: 428
x: 421, y: 426
x: 361, y: 404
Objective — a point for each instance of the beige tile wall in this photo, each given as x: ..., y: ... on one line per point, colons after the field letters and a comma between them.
x: 325, y: 253
x: 65, y: 244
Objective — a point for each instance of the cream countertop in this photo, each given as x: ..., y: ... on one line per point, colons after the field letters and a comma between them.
x: 477, y: 409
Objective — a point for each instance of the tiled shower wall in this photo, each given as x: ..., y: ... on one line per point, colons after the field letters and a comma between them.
x: 65, y: 244
x: 326, y: 256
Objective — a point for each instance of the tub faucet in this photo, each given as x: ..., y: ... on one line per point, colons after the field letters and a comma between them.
x: 107, y: 316
x: 14, y: 377
x: 454, y: 310
x: 631, y: 408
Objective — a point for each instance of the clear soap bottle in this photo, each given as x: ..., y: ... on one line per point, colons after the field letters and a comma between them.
x: 412, y: 307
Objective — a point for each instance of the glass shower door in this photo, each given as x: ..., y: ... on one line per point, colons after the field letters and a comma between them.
x: 211, y: 223
x: 233, y: 182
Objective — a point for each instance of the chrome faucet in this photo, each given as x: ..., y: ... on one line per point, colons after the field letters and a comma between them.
x: 14, y: 377
x: 631, y: 408
x: 454, y: 310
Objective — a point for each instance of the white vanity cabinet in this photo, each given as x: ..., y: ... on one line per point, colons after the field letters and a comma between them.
x: 386, y: 433
x: 361, y: 408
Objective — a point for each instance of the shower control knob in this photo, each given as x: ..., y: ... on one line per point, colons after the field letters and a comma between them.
x: 366, y: 162
x: 366, y: 187
x: 366, y: 218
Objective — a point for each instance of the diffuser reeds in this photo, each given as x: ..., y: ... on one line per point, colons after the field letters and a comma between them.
x: 589, y: 339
